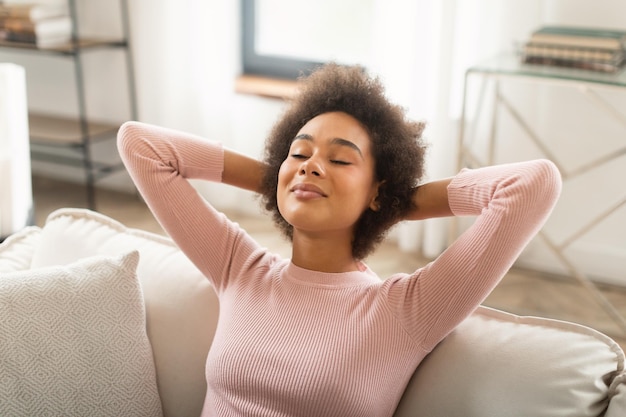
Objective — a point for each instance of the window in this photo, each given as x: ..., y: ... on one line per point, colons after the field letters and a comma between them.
x: 287, y: 38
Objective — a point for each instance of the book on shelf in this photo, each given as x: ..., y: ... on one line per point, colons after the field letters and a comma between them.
x: 584, y: 48
x: 612, y: 63
x: 32, y: 11
x: 28, y: 38
x: 572, y: 52
x: 41, y: 32
x: 580, y: 37
x: 579, y: 64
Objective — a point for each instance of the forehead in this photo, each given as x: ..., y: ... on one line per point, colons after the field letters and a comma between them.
x: 337, y: 125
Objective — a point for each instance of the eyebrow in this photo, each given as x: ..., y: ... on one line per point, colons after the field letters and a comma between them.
x: 334, y: 141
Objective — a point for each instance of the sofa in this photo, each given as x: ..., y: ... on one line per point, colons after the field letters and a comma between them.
x: 98, y: 319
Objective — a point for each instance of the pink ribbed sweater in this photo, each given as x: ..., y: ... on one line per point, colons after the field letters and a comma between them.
x: 295, y: 342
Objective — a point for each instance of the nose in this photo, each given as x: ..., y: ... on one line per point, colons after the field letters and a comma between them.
x: 311, y: 166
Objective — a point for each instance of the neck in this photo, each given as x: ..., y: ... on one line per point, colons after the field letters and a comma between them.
x: 323, y: 254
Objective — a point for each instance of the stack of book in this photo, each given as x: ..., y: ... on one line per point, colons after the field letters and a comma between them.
x: 44, y: 25
x: 586, y: 48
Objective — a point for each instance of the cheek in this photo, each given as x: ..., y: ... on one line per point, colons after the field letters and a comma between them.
x: 283, y: 181
x: 283, y: 174
x: 368, y: 192
x: 361, y: 181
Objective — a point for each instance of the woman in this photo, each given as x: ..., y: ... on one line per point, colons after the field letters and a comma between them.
x: 320, y: 334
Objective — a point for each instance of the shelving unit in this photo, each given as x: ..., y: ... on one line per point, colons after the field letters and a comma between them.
x: 49, y: 135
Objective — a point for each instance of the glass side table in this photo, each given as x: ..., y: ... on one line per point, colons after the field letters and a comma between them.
x: 507, y: 67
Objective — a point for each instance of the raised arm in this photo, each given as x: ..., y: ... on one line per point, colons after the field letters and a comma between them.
x: 511, y: 202
x: 161, y: 162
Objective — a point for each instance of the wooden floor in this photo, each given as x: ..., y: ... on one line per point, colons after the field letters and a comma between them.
x: 520, y: 292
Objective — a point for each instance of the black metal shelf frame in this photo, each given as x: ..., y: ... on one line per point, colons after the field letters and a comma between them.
x: 80, y: 132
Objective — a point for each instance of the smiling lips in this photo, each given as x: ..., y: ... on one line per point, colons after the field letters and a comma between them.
x: 307, y: 191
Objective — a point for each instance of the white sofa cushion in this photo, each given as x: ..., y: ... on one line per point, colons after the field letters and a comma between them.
x: 74, y: 341
x: 16, y: 252
x: 181, y: 306
x: 490, y: 366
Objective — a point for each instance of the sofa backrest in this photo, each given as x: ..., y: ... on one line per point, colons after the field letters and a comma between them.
x: 493, y: 364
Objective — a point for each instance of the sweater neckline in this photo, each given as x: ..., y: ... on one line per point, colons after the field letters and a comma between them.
x: 331, y: 279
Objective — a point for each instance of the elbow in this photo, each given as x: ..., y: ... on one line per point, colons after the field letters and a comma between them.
x: 552, y: 180
x: 547, y: 184
x: 125, y: 134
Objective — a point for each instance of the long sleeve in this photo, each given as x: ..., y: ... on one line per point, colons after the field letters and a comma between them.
x: 511, y: 202
x: 161, y: 162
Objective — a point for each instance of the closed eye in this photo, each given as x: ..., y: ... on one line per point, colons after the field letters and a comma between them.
x: 338, y: 162
x: 298, y: 156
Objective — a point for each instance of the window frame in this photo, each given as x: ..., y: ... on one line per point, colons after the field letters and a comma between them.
x: 262, y: 64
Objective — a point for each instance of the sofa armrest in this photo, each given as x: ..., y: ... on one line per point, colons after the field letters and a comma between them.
x: 499, y: 364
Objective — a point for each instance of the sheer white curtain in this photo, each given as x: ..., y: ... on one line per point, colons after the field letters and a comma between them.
x: 422, y: 50
x: 187, y: 57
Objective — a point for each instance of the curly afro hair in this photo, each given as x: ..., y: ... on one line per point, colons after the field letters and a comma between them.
x: 397, y: 146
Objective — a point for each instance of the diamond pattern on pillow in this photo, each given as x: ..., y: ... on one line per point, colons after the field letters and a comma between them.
x: 73, y: 341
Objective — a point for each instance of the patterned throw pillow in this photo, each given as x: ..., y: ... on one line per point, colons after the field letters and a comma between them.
x: 73, y: 341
